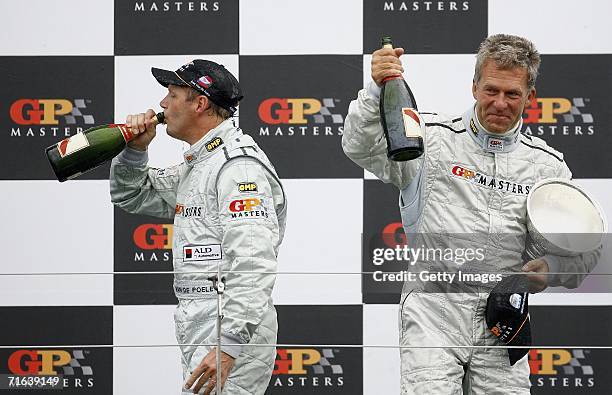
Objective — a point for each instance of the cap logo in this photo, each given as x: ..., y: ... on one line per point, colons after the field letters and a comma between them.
x: 205, y: 82
x: 516, y: 300
x: 186, y: 66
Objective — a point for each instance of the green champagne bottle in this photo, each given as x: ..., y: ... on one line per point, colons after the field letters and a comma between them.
x: 87, y: 150
x: 399, y: 117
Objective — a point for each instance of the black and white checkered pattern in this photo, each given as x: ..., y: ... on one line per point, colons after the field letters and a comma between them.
x: 325, y: 365
x: 77, y: 114
x: 575, y: 112
x: 75, y: 367
x: 327, y: 110
x: 577, y: 365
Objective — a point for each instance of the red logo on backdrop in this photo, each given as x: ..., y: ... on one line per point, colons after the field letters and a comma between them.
x: 153, y: 236
x: 295, y: 360
x: 289, y: 111
x: 39, y: 111
x: 293, y: 111
x: 393, y: 235
x: 37, y: 362
x: 564, y: 368
x: 292, y: 361
x: 550, y: 110
x: 551, y: 361
x: 48, y: 111
x: 307, y: 367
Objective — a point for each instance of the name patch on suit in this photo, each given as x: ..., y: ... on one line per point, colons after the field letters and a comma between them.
x: 486, y: 181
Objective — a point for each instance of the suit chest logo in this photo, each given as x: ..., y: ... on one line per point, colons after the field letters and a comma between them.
x: 487, y: 181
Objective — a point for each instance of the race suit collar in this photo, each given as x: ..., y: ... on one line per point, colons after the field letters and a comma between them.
x: 210, y: 143
x: 491, y: 142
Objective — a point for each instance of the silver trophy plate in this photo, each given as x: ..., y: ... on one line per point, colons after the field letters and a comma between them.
x: 563, y: 219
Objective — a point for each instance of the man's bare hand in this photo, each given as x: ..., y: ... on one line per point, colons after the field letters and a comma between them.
x: 141, y: 125
x: 538, y: 281
x: 386, y: 63
x: 207, y: 372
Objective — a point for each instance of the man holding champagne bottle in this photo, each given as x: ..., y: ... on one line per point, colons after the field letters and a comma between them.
x: 469, y: 188
x: 229, y: 211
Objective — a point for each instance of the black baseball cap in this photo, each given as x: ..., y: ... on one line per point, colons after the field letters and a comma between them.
x: 208, y: 78
x: 507, y: 315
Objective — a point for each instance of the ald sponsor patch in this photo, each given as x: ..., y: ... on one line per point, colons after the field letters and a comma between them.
x: 247, y: 187
x: 214, y: 144
x: 490, y: 182
x: 208, y: 252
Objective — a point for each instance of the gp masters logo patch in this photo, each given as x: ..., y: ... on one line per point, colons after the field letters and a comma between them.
x: 247, y: 208
x: 490, y: 182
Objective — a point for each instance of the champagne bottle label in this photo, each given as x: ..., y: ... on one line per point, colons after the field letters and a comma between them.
x: 125, y: 132
x: 72, y: 144
x: 412, y: 123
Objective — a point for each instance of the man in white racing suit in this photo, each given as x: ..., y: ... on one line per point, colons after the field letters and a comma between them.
x: 468, y: 189
x: 229, y: 209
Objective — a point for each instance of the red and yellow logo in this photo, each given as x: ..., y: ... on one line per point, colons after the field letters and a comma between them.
x: 556, y: 109
x: 37, y: 362
x: 463, y: 172
x: 240, y: 205
x: 288, y: 111
x: 39, y: 111
x: 153, y: 236
x: 545, y: 361
x: 393, y: 235
x: 293, y: 361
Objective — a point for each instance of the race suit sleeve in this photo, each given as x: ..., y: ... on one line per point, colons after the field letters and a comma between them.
x: 363, y: 140
x: 569, y: 272
x: 139, y: 189
x: 250, y: 235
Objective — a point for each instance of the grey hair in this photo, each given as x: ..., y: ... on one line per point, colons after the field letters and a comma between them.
x: 509, y: 52
x: 216, y: 109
